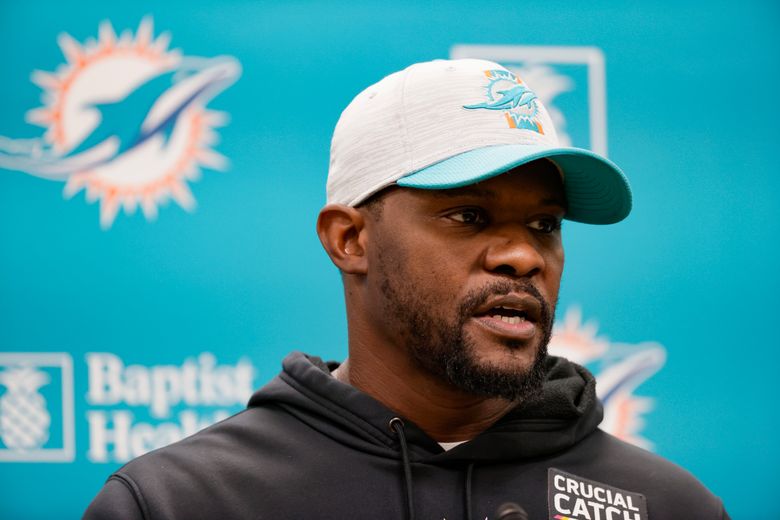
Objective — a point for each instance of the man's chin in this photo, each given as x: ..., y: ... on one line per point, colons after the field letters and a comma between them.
x: 501, y: 354
x: 505, y: 375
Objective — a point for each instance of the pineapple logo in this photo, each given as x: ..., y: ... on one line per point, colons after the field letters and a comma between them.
x: 24, y: 419
x: 36, y: 407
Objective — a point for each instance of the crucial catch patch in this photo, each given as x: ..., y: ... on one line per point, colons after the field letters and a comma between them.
x: 570, y: 497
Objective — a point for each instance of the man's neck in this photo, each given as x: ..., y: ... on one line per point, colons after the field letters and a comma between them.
x: 445, y: 413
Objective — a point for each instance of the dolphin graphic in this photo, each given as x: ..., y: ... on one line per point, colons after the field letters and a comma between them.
x: 122, y: 118
x: 211, y: 77
x: 128, y: 119
x: 628, y: 374
x: 151, y: 109
x: 512, y: 98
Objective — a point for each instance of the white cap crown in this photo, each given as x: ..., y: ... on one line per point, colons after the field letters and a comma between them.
x: 425, y: 114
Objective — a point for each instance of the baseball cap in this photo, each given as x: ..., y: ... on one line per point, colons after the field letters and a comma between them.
x: 450, y: 123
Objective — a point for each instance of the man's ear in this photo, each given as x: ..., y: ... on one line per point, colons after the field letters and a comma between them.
x: 342, y: 231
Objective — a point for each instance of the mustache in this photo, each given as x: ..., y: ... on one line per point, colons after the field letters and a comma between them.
x: 478, y: 297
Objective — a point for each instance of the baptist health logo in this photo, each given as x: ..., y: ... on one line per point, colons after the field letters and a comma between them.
x: 137, y: 408
x: 130, y: 409
x: 125, y: 120
x: 36, y: 407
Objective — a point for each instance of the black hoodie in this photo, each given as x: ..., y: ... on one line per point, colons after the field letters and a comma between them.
x: 309, y: 446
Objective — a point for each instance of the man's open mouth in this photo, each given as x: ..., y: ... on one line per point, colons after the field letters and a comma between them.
x: 507, y: 314
x: 512, y: 308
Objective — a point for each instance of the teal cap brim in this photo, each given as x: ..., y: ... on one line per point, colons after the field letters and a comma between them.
x: 597, y: 192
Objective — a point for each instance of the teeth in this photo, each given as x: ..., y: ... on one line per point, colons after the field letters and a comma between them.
x: 512, y: 320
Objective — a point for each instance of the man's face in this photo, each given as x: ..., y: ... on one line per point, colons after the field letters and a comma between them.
x: 466, y: 279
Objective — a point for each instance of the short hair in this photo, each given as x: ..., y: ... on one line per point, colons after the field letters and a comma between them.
x: 376, y: 202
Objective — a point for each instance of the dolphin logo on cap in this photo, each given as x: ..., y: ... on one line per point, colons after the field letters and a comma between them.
x: 512, y: 98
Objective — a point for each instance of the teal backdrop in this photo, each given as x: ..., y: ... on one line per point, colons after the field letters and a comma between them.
x: 125, y: 331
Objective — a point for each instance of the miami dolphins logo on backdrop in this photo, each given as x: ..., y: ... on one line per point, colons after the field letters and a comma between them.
x: 619, y: 370
x: 507, y: 93
x: 126, y: 121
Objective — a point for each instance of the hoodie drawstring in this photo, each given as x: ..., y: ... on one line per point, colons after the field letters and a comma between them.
x: 469, y: 472
x: 397, y: 426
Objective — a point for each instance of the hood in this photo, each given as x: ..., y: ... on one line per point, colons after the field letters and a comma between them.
x: 563, y: 413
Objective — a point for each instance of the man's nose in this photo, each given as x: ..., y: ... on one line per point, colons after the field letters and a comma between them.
x: 514, y: 251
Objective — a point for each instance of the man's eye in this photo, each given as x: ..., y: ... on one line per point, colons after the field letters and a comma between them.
x: 546, y: 225
x: 469, y: 216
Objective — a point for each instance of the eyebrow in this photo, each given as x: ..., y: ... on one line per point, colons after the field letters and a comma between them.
x: 553, y: 202
x: 473, y: 191
x: 467, y: 191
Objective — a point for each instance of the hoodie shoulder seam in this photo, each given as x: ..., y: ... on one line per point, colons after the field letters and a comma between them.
x: 135, y: 492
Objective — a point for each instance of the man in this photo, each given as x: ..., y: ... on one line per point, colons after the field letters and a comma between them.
x: 446, y: 192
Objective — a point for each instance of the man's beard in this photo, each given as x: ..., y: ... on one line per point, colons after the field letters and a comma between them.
x: 445, y: 350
